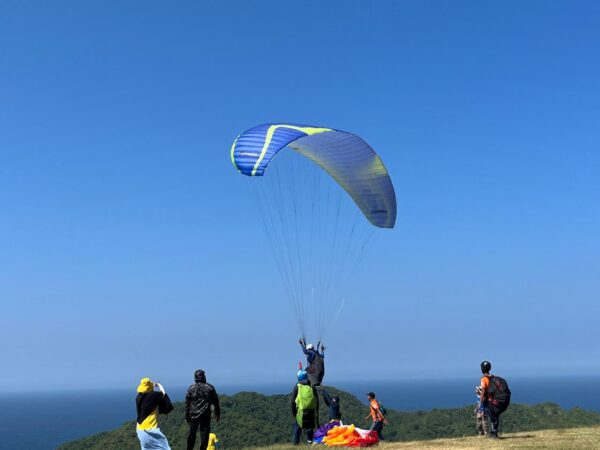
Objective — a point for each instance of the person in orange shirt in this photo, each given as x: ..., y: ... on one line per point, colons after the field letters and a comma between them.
x: 494, y: 398
x: 375, y: 414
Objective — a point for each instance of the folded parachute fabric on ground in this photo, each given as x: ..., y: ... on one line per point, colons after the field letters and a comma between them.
x: 324, y: 429
x: 350, y: 436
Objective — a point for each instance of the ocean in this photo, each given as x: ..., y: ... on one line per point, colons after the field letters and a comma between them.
x: 42, y: 421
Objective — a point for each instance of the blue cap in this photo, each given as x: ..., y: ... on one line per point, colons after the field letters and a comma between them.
x: 302, y: 375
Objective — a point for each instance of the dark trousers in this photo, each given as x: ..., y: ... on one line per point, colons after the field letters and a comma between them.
x: 201, y: 424
x: 494, y: 415
x: 378, y: 426
x: 298, y: 431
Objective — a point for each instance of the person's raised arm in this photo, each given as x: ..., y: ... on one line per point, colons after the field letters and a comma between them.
x: 303, y: 345
x: 326, y: 397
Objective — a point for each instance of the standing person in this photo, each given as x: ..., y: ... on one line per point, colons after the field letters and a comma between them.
x: 198, y: 401
x: 333, y: 405
x: 480, y: 414
x: 495, y: 397
x: 148, y: 404
x: 376, y: 414
x: 305, y: 408
x: 315, y: 359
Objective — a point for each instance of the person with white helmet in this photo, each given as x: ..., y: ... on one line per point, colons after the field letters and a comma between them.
x: 315, y: 359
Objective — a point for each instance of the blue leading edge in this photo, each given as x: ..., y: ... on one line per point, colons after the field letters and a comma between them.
x: 349, y: 160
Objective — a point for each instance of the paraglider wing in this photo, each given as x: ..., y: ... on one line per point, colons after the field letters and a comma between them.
x: 349, y: 160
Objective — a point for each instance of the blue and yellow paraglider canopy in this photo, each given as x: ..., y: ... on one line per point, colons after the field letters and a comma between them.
x: 350, y: 161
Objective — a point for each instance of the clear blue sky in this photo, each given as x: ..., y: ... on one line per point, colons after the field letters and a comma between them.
x: 123, y: 240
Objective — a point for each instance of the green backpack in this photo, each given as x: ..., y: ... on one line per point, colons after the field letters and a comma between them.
x: 306, y: 405
x: 382, y: 409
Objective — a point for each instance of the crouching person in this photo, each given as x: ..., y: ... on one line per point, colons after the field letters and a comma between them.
x: 148, y: 404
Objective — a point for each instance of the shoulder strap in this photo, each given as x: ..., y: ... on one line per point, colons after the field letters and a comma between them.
x: 380, y: 411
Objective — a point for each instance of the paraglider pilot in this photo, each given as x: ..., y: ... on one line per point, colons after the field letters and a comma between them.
x: 315, y: 361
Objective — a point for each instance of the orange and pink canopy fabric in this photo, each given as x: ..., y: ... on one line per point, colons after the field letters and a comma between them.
x: 350, y: 436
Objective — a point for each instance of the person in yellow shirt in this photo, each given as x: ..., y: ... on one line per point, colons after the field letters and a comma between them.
x: 213, y: 442
x: 148, y: 402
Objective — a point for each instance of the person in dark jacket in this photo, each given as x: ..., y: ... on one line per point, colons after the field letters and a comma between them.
x: 199, y: 399
x: 333, y: 405
x: 305, y: 408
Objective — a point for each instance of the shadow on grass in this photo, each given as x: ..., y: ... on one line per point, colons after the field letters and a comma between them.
x: 525, y: 436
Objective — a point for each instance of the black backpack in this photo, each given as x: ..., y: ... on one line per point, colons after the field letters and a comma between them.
x: 499, y: 393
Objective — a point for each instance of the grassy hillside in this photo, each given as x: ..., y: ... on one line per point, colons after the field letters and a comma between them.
x: 562, y: 439
x: 254, y: 420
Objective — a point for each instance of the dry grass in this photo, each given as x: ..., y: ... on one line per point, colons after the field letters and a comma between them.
x: 572, y: 438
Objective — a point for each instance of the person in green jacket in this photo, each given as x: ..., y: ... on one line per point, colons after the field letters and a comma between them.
x: 305, y: 408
